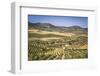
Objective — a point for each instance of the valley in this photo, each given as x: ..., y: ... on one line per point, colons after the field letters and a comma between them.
x: 49, y: 42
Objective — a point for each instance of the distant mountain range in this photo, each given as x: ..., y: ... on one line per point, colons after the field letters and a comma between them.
x: 51, y: 27
x: 48, y: 25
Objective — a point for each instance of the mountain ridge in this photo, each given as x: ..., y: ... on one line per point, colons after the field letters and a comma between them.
x: 51, y: 25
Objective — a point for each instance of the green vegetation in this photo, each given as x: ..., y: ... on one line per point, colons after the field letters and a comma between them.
x: 64, y: 47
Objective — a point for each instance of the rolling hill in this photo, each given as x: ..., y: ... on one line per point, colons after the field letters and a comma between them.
x: 50, y: 27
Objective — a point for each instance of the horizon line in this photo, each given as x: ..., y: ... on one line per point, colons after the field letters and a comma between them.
x: 59, y: 26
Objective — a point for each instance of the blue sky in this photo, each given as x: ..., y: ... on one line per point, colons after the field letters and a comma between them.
x: 60, y: 20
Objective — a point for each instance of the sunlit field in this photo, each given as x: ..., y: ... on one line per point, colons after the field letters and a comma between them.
x: 46, y: 45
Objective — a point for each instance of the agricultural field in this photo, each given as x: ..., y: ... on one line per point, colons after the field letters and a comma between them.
x: 57, y: 43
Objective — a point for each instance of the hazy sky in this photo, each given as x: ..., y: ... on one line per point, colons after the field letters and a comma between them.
x: 59, y: 20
